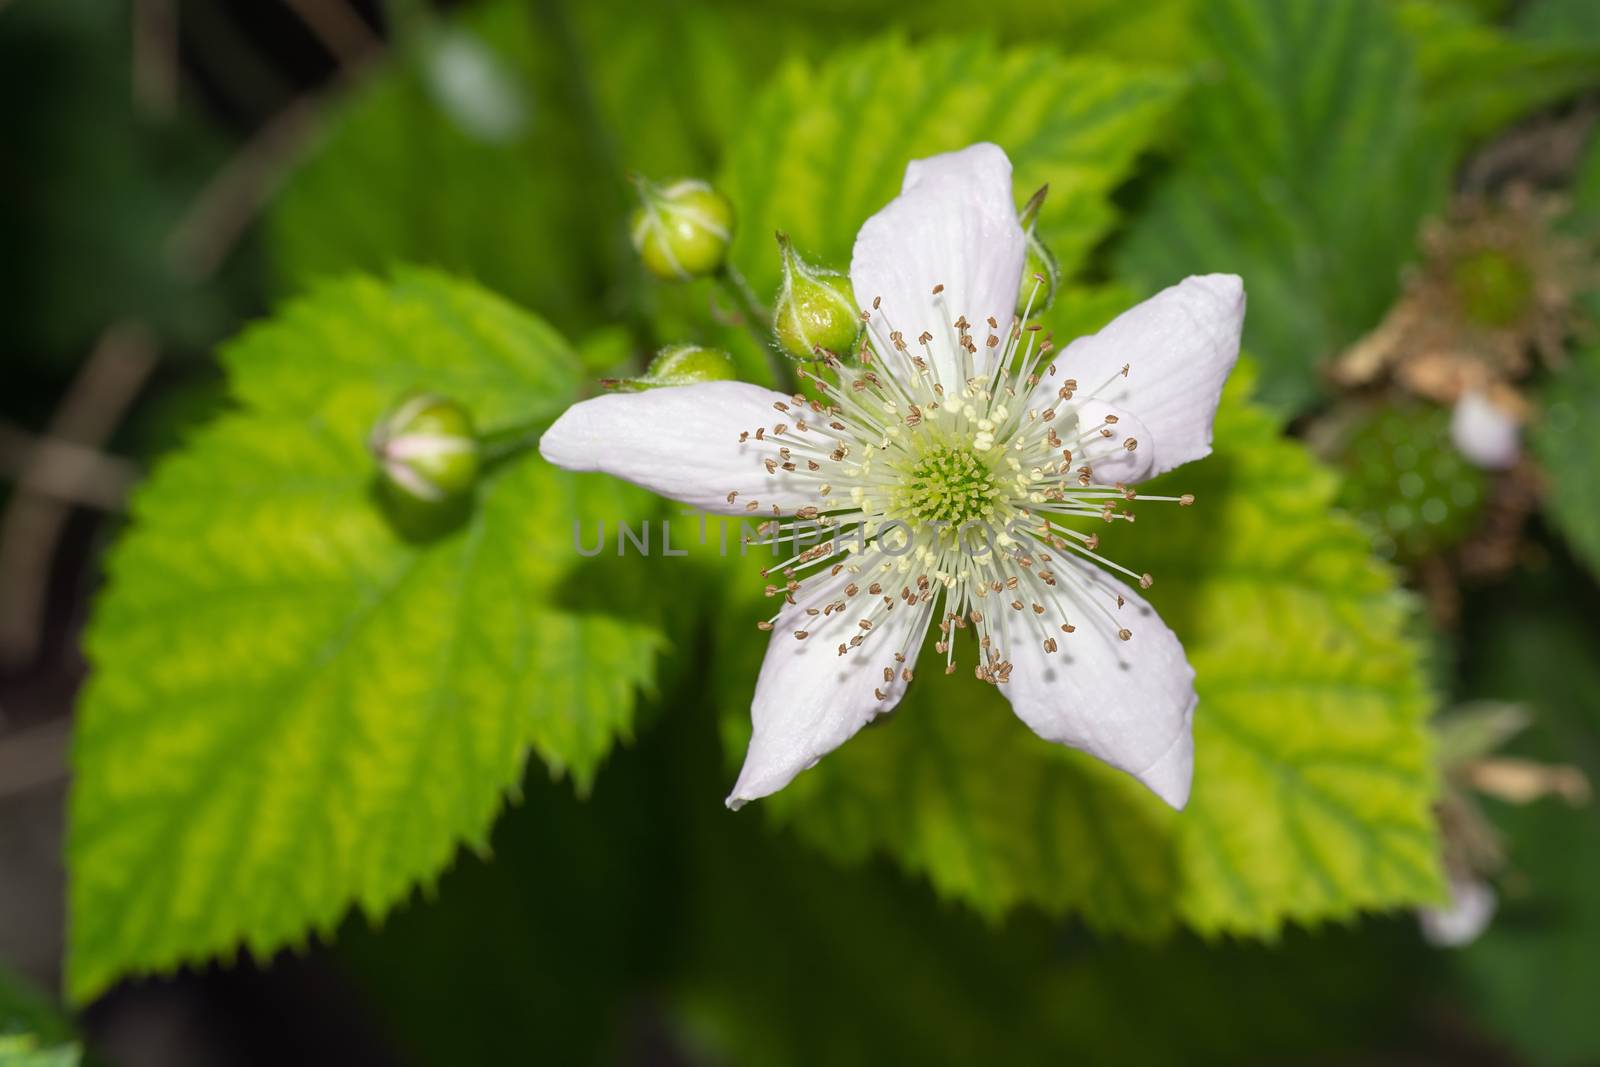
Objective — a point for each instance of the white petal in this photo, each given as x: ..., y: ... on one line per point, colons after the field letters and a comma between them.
x: 809, y: 699
x: 682, y: 442
x: 1108, y: 458
x: 1179, y: 347
x: 1472, y: 905
x: 1487, y: 436
x: 1130, y: 703
x: 954, y: 224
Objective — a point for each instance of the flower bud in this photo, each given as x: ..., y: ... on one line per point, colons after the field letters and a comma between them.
x: 426, y: 449
x: 815, y: 308
x: 1040, y: 274
x: 682, y: 230
x: 678, y: 365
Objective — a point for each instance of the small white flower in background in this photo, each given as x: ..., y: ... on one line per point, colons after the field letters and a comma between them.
x: 1484, y: 432
x: 1467, y: 740
x: 955, y: 414
x: 1459, y: 923
x: 473, y: 87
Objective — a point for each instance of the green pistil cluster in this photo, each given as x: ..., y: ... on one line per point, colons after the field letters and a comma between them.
x: 1495, y: 288
x: 951, y: 485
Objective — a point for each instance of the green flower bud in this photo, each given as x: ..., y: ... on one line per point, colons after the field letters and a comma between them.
x: 815, y: 308
x: 678, y: 365
x: 426, y: 449
x: 682, y: 230
x: 1040, y: 274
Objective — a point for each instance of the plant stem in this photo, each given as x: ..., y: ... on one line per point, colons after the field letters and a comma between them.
x: 757, y: 318
x: 508, y: 441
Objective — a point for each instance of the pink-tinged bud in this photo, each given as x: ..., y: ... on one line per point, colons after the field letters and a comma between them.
x: 427, y: 450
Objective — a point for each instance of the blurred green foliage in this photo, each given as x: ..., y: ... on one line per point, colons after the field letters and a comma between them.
x: 1330, y: 132
x: 32, y: 1031
x: 1531, y: 974
x: 93, y: 190
x: 1567, y: 440
x: 398, y: 179
x: 1312, y: 102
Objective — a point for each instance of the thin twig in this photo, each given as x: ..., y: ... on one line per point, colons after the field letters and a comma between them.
x: 155, y: 57
x: 212, y: 226
x: 338, y: 28
x: 230, y: 201
x: 34, y: 757
x: 105, y: 386
x: 65, y: 472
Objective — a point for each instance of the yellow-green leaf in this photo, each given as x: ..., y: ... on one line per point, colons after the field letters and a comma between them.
x: 1313, y: 780
x: 294, y: 705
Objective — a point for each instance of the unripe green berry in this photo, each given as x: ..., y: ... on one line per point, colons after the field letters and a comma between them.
x: 678, y: 365
x: 682, y: 231
x: 815, y: 309
x: 1040, y: 274
x: 427, y: 450
x: 1408, y: 484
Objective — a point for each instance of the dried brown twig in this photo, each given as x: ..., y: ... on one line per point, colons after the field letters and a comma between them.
x: 55, y: 474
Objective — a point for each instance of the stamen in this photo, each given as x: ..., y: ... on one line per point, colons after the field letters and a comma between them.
x: 944, y: 482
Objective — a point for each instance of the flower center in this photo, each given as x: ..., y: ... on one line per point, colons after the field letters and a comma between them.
x: 949, y: 497
x: 948, y: 484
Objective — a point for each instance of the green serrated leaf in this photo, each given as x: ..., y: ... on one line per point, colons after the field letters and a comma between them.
x: 1318, y: 106
x: 293, y: 706
x: 1566, y: 438
x: 1314, y: 773
x: 825, y: 147
x: 1313, y: 776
